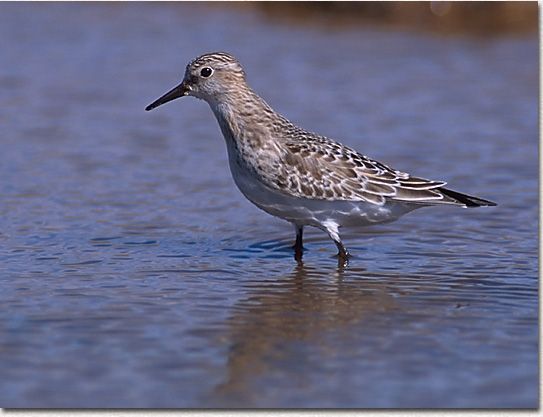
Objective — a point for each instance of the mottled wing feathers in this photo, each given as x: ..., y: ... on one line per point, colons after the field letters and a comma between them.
x: 315, y: 167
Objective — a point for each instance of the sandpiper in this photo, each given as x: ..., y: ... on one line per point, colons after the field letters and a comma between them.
x: 296, y: 175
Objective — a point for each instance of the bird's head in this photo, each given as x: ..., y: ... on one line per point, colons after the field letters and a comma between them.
x: 208, y: 77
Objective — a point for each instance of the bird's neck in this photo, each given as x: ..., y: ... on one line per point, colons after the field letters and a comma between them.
x: 243, y: 115
x: 251, y: 129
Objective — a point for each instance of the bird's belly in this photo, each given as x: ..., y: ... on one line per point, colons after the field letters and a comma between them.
x: 315, y: 212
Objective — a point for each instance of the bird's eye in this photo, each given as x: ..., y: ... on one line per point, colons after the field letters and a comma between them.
x: 206, y: 72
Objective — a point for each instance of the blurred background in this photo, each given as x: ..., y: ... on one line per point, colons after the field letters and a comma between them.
x: 134, y: 273
x: 444, y: 17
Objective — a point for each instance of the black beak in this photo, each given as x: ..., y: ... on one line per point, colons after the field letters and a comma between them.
x: 179, y: 91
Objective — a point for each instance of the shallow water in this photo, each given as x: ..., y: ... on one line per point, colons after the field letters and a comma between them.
x: 136, y: 275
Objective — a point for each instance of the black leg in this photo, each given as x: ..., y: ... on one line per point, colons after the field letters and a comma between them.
x: 332, y: 230
x: 343, y: 253
x: 298, y: 246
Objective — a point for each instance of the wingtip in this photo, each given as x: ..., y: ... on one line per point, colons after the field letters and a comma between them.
x: 467, y: 200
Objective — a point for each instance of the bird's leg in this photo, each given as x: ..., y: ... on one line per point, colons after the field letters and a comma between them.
x: 343, y: 253
x: 298, y: 246
x: 333, y: 231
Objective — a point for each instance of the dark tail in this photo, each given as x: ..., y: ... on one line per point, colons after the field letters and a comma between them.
x: 468, y: 200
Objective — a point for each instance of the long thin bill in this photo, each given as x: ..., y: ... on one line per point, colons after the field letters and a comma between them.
x: 179, y: 91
